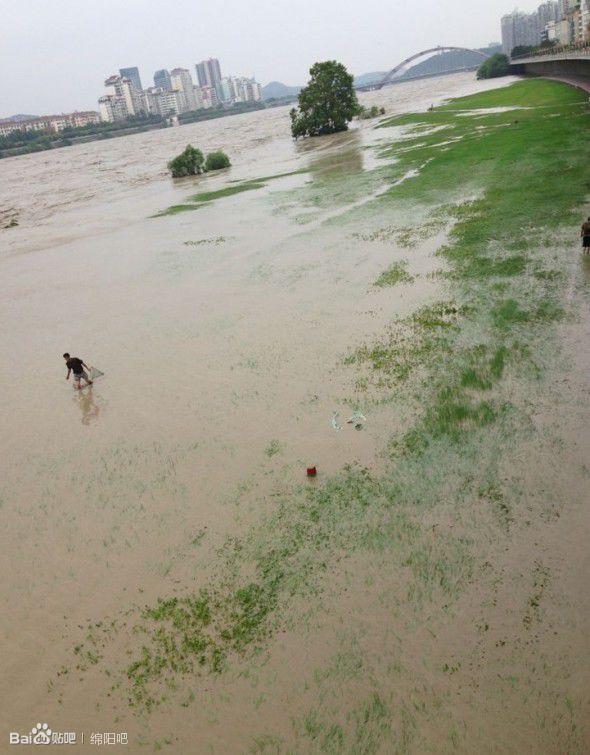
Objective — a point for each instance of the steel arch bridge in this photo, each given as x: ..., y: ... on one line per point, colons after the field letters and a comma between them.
x: 441, y: 48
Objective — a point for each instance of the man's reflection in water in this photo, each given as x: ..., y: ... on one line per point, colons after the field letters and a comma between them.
x: 90, y: 409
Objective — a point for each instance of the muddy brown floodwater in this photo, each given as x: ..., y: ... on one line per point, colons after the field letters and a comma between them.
x: 221, y: 333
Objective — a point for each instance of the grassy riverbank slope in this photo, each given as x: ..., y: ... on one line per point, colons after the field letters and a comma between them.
x: 412, y: 602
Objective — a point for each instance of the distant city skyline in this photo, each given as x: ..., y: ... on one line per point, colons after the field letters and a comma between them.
x: 174, y: 93
x: 174, y: 90
x: 51, y: 65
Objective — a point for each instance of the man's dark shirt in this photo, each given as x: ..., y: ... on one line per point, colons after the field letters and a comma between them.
x: 586, y: 228
x: 75, y: 365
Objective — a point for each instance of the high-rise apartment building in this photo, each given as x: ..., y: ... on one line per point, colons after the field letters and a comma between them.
x: 122, y: 99
x: 155, y: 100
x: 531, y: 28
x: 208, y: 72
x: 165, y: 103
x: 182, y: 82
x: 176, y: 103
x: 250, y: 90
x: 208, y: 97
x: 133, y: 75
x: 199, y: 97
x: 121, y: 88
x: 162, y: 80
x: 112, y: 108
x: 233, y: 84
x: 224, y: 91
x: 585, y: 14
x: 243, y: 90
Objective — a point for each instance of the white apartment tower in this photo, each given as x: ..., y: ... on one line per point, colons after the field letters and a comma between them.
x: 182, y: 82
x: 112, y: 108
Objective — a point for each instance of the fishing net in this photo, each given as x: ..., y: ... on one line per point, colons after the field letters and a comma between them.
x: 95, y: 372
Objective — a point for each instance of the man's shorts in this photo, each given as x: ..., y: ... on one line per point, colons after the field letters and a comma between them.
x: 79, y: 375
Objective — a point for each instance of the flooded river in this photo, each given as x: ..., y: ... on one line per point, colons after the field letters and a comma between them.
x: 221, y: 333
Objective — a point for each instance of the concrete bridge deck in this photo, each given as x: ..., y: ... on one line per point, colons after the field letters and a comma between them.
x: 581, y: 53
x: 572, y: 63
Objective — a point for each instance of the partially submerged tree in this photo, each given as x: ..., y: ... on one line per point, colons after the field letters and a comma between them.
x: 188, y: 163
x: 497, y: 65
x: 327, y: 104
x: 217, y: 161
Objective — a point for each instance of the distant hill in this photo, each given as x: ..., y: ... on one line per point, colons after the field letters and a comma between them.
x: 452, y: 59
x: 19, y: 117
x: 276, y: 90
x: 365, y: 79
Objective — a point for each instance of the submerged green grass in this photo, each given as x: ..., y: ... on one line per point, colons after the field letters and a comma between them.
x: 227, y: 191
x: 177, y: 208
x: 396, y: 273
x: 528, y: 172
x: 204, y: 197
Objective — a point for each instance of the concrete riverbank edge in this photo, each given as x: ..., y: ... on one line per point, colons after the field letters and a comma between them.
x: 579, y: 82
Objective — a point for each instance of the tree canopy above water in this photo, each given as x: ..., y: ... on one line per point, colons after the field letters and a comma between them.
x: 496, y: 65
x: 327, y: 104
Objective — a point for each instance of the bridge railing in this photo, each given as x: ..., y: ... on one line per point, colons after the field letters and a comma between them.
x: 563, y: 52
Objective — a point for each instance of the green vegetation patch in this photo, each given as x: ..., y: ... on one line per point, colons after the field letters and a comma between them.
x: 273, y: 448
x: 529, y: 94
x: 176, y: 208
x: 395, y: 273
x: 227, y: 191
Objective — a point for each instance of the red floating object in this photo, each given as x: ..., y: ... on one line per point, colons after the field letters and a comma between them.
x: 312, y: 471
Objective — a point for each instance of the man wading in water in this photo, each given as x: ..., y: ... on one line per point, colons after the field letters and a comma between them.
x: 76, y: 366
x: 585, y: 234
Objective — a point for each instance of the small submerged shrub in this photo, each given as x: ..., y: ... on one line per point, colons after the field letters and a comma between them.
x: 188, y: 163
x: 217, y: 161
x: 191, y: 162
x: 367, y: 113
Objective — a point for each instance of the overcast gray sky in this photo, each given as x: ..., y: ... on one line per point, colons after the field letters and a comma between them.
x: 55, y: 54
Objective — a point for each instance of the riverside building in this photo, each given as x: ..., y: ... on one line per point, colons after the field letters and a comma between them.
x: 162, y: 80
x: 121, y: 100
x: 54, y: 123
x: 182, y: 82
x: 133, y: 75
x: 165, y: 103
x: 563, y: 23
x: 208, y: 72
x: 527, y: 28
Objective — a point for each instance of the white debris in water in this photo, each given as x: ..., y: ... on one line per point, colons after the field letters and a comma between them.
x: 488, y: 110
x: 411, y: 173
